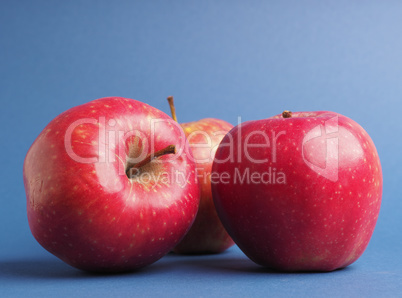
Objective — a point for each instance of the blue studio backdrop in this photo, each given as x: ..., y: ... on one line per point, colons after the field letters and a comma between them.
x: 221, y: 59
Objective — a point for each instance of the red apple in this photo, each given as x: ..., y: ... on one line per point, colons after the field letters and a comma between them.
x: 110, y: 185
x: 299, y: 192
x: 207, y: 235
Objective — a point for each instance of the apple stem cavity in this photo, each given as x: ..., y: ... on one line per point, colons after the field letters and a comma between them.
x: 171, y: 149
x: 172, y: 108
x: 287, y: 114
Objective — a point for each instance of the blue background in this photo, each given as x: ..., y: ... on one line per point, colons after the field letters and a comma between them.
x: 220, y: 59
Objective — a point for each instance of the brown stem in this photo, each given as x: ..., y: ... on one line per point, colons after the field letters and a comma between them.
x: 287, y: 114
x: 172, y: 108
x: 171, y: 149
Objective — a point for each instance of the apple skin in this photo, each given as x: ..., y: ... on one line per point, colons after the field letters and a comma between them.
x: 89, y: 213
x: 207, y: 234
x: 304, y: 220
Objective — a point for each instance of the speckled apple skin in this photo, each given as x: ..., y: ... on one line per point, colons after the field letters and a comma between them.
x: 207, y: 234
x: 91, y: 215
x: 310, y: 222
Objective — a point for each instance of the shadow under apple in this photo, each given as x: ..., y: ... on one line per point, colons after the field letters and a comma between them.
x: 172, y: 263
x: 226, y: 262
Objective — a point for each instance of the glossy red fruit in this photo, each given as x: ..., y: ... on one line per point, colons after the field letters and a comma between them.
x: 304, y: 190
x: 207, y: 235
x: 110, y: 185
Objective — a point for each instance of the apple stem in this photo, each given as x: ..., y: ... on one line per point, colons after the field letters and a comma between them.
x: 172, y: 108
x: 287, y: 114
x: 171, y: 149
